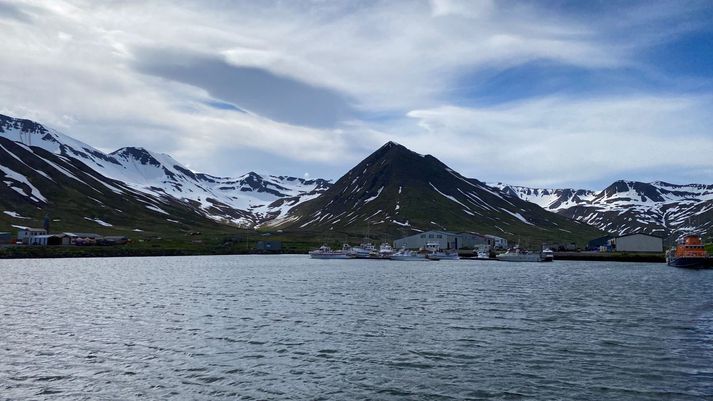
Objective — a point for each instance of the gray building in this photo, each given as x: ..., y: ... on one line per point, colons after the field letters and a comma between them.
x: 597, y: 243
x: 498, y: 242
x: 473, y: 241
x: 638, y: 243
x: 445, y: 240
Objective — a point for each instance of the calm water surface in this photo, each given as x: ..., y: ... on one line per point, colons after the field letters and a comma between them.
x: 287, y: 327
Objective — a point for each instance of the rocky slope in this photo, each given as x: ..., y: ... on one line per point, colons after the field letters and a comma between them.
x: 627, y: 207
x: 398, y: 192
x: 35, y: 160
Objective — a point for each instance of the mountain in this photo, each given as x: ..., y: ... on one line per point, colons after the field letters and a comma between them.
x: 627, y: 207
x: 44, y: 171
x: 398, y: 192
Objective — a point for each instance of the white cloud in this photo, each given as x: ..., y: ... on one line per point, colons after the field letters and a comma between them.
x: 560, y: 140
x: 70, y: 64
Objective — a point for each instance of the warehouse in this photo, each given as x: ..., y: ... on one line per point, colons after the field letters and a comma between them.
x: 637, y: 243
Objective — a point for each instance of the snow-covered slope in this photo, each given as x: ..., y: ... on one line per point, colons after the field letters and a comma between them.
x: 245, y: 200
x: 629, y: 206
x: 398, y: 192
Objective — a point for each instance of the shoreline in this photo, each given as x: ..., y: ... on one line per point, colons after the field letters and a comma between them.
x: 61, y: 252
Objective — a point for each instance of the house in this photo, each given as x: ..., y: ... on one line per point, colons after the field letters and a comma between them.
x: 112, y: 240
x: 49, y: 240
x: 83, y: 238
x: 269, y: 246
x: 498, y: 242
x: 637, y: 243
x: 25, y: 234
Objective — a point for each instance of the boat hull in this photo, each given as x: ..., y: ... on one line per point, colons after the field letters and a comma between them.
x: 322, y: 256
x: 519, y: 258
x: 409, y: 258
x: 689, y: 263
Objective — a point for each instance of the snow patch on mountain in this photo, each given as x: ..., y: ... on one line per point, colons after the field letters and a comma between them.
x: 627, y: 206
x: 99, y: 221
x: 247, y: 199
x: 16, y: 181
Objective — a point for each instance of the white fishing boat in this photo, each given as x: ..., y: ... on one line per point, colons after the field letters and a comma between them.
x: 517, y: 254
x: 408, y: 255
x: 547, y: 255
x: 434, y: 252
x: 325, y: 252
x: 385, y: 251
x: 364, y: 250
x: 482, y: 255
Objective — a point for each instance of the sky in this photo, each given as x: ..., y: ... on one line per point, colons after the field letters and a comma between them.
x: 545, y: 93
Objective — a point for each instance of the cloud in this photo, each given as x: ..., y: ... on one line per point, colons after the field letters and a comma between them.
x: 558, y: 141
x: 11, y: 11
x: 254, y: 89
x: 315, y: 86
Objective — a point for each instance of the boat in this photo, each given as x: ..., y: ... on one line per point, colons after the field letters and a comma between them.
x: 434, y: 252
x: 547, y: 255
x: 364, y: 250
x: 325, y: 252
x: 688, y: 253
x: 482, y: 255
x: 385, y: 251
x: 407, y: 255
x: 517, y: 254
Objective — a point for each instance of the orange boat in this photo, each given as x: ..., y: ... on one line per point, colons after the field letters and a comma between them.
x: 689, y: 252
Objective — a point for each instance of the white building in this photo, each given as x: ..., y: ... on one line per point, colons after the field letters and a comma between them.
x: 637, y: 243
x: 498, y: 242
x: 25, y: 234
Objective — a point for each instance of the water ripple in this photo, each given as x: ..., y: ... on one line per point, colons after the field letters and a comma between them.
x: 285, y: 327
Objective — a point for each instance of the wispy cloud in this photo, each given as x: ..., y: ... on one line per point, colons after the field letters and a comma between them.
x: 317, y: 85
x: 559, y: 140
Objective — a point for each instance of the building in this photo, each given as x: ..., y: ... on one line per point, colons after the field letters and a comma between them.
x: 49, y: 239
x: 637, y: 243
x: 474, y: 241
x: 269, y: 246
x: 113, y: 240
x: 498, y: 242
x: 25, y: 234
x: 597, y: 243
x: 445, y: 240
x: 5, y: 238
x: 83, y: 238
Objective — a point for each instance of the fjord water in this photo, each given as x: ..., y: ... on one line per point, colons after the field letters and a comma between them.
x: 287, y: 327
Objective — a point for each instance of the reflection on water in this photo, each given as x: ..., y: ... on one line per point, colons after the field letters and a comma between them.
x: 288, y: 327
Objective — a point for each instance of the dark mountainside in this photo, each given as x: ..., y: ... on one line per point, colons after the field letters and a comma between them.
x: 396, y: 192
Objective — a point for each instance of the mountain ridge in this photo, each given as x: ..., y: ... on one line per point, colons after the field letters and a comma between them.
x: 393, y: 190
x: 396, y: 191
x: 626, y: 206
x: 243, y: 201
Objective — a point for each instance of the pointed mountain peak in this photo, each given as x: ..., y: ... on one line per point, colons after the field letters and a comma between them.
x: 138, y: 154
x: 392, y: 150
x: 392, y: 146
x: 8, y: 123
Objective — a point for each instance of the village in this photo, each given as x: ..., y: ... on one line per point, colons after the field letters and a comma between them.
x: 42, y: 237
x: 460, y: 241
